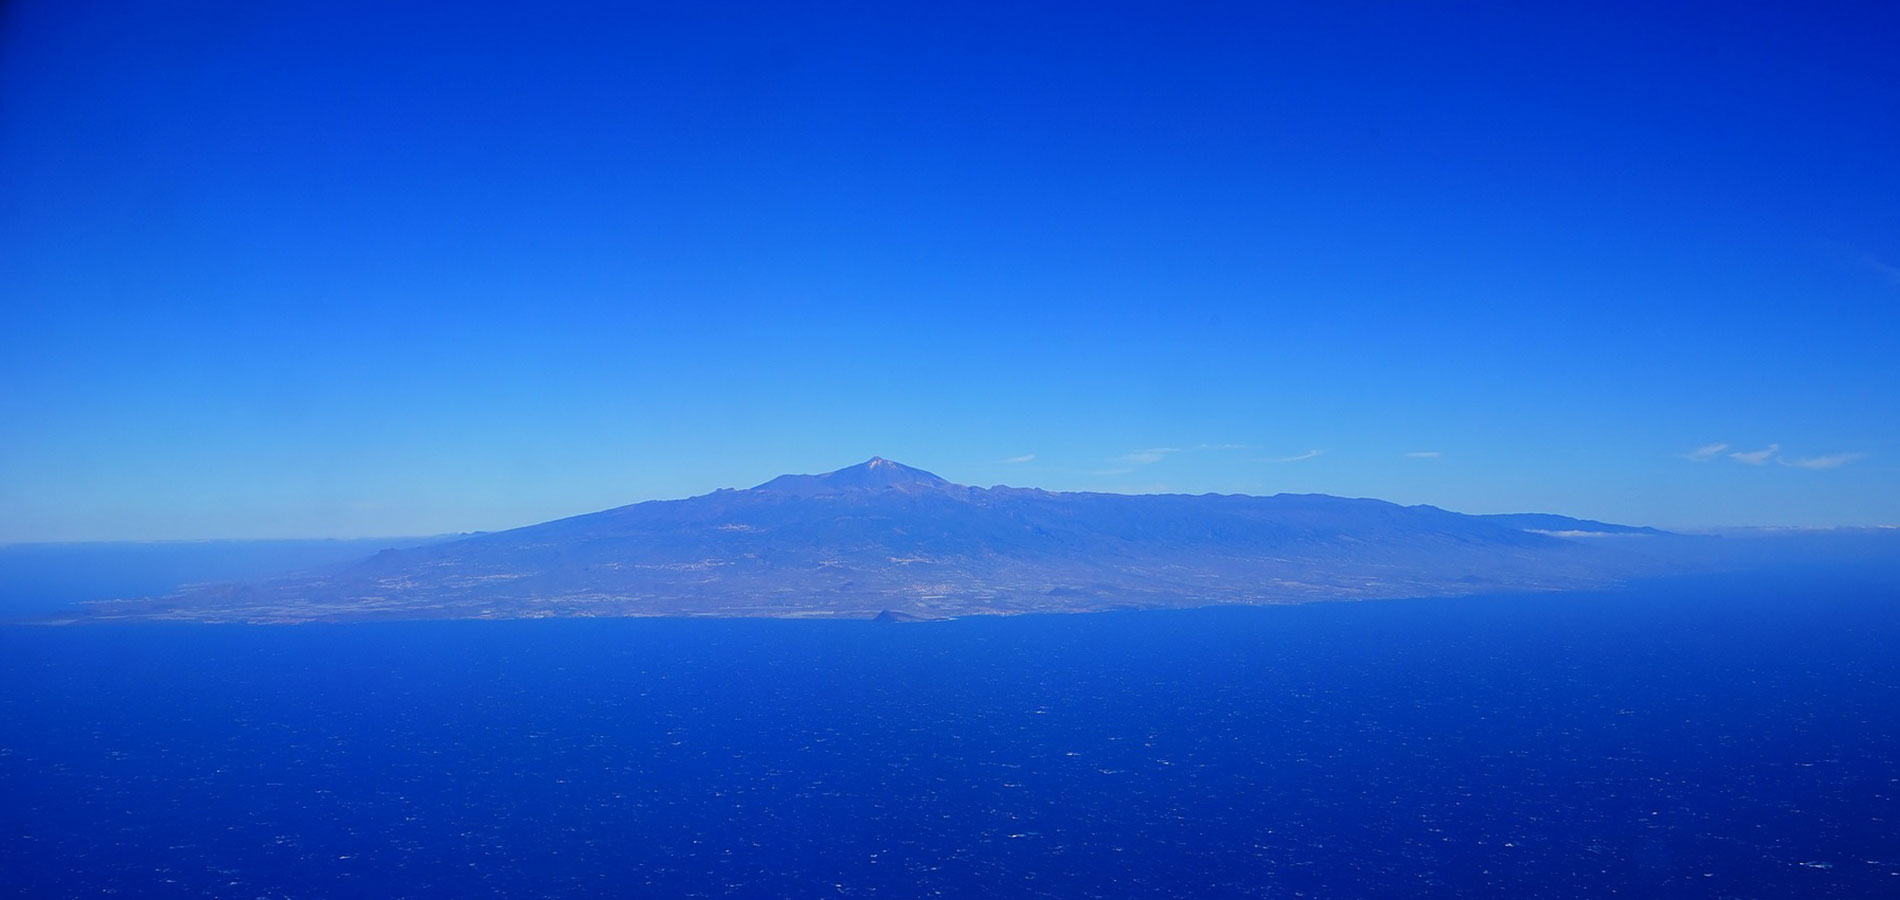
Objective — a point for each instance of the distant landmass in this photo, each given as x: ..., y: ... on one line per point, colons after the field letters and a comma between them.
x: 885, y: 541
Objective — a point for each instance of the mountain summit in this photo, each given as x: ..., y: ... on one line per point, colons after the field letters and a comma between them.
x: 883, y: 539
x: 874, y: 474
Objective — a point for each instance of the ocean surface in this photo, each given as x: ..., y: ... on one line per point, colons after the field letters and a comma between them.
x: 1735, y: 737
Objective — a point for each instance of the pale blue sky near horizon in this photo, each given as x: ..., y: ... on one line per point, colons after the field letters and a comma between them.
x: 337, y: 270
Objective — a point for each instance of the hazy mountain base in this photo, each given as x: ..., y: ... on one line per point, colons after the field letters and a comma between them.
x: 884, y: 537
x: 49, y: 579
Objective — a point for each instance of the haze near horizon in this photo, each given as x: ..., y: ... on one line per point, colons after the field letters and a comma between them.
x: 349, y: 269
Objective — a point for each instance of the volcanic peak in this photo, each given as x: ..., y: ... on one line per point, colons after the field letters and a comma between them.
x: 874, y: 474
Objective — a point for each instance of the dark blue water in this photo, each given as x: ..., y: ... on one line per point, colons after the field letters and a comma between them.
x: 1712, y: 739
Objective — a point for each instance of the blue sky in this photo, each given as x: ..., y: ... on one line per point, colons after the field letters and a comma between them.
x: 334, y: 270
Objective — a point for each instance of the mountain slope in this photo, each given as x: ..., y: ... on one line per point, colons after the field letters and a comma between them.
x: 1565, y: 525
x: 883, y: 536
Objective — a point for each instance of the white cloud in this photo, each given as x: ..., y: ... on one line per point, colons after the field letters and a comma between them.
x: 1157, y: 454
x: 1756, y: 457
x: 1027, y: 457
x: 1830, y: 461
x: 1424, y: 454
x: 1705, y: 452
x: 1891, y: 273
x: 1150, y: 455
x: 1299, y: 457
x: 1771, y: 453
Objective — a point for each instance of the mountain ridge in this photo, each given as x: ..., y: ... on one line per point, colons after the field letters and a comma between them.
x: 882, y: 537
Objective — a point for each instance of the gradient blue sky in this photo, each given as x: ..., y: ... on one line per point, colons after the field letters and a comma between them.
x: 339, y: 269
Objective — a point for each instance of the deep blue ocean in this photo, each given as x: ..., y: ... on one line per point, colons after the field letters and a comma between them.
x: 1734, y: 737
